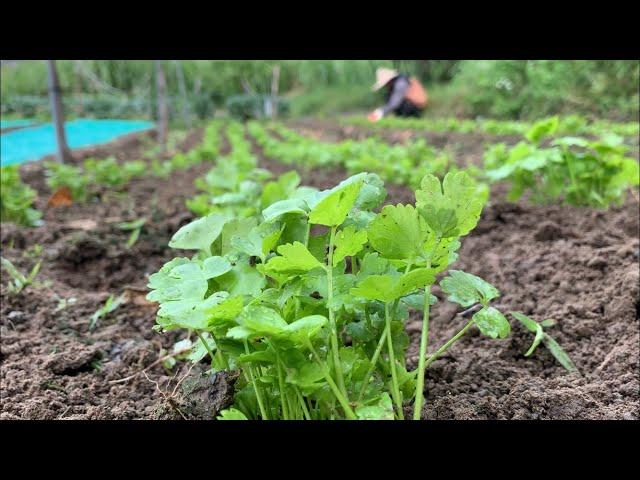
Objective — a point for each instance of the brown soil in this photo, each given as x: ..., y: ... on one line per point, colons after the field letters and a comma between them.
x: 51, y: 365
x: 579, y: 266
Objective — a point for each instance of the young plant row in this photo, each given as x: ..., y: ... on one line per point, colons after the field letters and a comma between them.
x: 235, y: 186
x: 394, y: 163
x: 303, y: 300
x: 17, y: 198
x: 576, y: 170
x: 108, y: 172
x: 567, y: 125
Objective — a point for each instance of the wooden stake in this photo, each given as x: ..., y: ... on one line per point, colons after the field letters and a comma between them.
x: 163, y: 113
x: 57, y: 114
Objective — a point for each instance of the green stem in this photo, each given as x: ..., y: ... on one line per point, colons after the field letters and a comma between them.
x: 376, y: 354
x: 334, y: 388
x: 218, y: 353
x: 332, y: 321
x: 424, y: 338
x: 444, y: 347
x: 303, y: 404
x: 308, y: 232
x: 283, y: 399
x: 374, y: 361
x: 392, y: 364
x: 263, y: 412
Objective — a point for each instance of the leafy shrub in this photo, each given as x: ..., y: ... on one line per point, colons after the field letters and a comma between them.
x: 16, y: 198
x: 313, y: 319
x: 536, y: 88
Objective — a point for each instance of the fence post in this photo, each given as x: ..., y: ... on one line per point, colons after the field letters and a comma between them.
x: 57, y: 114
x: 163, y: 114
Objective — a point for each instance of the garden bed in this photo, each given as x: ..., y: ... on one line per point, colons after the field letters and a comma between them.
x: 576, y: 265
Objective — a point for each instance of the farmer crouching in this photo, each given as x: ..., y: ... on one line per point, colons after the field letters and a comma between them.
x: 405, y: 96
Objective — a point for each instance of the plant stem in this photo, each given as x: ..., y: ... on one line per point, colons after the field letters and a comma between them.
x: 424, y: 338
x: 283, y: 399
x: 303, y: 404
x: 336, y: 391
x: 392, y: 364
x: 372, y: 365
x: 219, y: 355
x: 444, y: 347
x: 332, y: 321
x: 306, y: 237
x: 263, y: 412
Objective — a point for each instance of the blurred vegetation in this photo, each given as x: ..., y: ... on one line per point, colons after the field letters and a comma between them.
x: 503, y: 89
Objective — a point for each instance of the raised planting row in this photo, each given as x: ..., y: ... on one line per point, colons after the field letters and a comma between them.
x: 567, y: 125
x: 572, y: 170
x: 394, y: 163
x: 300, y: 302
x: 235, y: 186
x: 76, y: 183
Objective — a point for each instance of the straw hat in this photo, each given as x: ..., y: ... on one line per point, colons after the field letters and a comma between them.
x: 384, y: 76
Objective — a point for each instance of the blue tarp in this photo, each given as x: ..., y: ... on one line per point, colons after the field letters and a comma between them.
x: 15, y: 123
x: 36, y: 142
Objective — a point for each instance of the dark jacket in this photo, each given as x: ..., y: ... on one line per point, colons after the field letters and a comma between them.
x: 396, y: 93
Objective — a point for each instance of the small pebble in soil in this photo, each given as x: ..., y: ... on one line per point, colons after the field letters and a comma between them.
x: 16, y: 316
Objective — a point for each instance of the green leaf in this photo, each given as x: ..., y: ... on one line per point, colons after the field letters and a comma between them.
x: 559, y: 354
x: 238, y: 227
x: 199, y: 234
x: 305, y: 328
x: 532, y: 326
x: 215, y: 266
x: 373, y: 264
x: 226, y: 310
x: 372, y: 193
x: 294, y: 259
x: 261, y: 356
x: 332, y: 210
x: 192, y: 313
x: 262, y: 320
x: 453, y: 209
x: 541, y: 129
x: 178, y: 279
x: 416, y: 300
x: 398, y: 232
x: 492, y: 323
x: 527, y: 322
x: 231, y: 414
x: 382, y: 411
x: 309, y: 377
x: 198, y: 350
x: 386, y: 288
x: 466, y: 289
x: 259, y: 241
x: 242, y: 279
x: 294, y: 205
x: 348, y: 242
